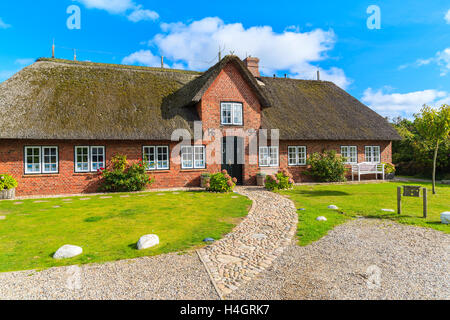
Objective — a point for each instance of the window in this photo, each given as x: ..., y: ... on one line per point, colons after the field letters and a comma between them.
x: 372, y: 154
x: 231, y: 113
x: 157, y: 158
x: 268, y: 156
x: 41, y: 160
x: 89, y: 159
x: 297, y: 156
x: 193, y: 157
x: 350, y: 153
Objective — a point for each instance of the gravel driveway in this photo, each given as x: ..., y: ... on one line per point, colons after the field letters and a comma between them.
x: 412, y: 263
x: 169, y: 276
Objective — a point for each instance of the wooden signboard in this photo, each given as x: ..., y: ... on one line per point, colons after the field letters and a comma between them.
x: 412, y: 191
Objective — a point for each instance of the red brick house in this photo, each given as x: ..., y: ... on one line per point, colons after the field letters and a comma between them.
x: 62, y: 120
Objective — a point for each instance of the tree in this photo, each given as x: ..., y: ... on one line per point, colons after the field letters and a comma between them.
x: 433, y: 125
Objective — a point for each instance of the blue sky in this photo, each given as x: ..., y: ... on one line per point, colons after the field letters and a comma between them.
x: 395, y: 69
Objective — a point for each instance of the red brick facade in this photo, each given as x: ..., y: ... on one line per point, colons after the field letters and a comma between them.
x: 229, y: 86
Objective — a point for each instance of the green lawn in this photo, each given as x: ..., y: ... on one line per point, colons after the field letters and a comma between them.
x: 363, y: 200
x: 108, y: 229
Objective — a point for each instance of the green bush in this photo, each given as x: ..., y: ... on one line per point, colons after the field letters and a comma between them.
x: 327, y: 167
x: 221, y: 182
x: 7, y: 182
x: 281, y: 181
x: 388, y: 168
x: 123, y: 178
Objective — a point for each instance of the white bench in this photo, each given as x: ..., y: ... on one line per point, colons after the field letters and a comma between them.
x: 367, y: 168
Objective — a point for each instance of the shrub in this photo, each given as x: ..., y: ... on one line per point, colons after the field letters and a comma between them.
x: 221, y: 182
x: 327, y: 167
x: 123, y: 178
x: 281, y: 181
x: 7, y: 182
x: 388, y: 168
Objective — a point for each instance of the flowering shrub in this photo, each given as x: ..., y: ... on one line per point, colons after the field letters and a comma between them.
x: 7, y: 182
x: 221, y: 182
x: 281, y: 181
x: 123, y: 178
x: 327, y: 167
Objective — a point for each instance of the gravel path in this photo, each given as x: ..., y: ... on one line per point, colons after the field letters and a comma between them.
x: 412, y: 263
x: 255, y: 243
x: 168, y: 277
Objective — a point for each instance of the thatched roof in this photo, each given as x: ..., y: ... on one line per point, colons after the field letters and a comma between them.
x: 60, y: 99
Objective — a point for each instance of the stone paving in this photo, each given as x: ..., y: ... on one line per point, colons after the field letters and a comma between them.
x: 254, y: 244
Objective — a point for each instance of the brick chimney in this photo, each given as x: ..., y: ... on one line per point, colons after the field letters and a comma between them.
x: 252, y: 65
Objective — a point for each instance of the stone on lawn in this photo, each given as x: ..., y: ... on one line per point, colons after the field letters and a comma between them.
x: 321, y: 218
x: 388, y: 210
x: 67, y: 251
x: 301, y: 209
x: 2, y: 217
x: 147, y: 241
x: 208, y: 240
x: 445, y: 217
x: 333, y: 207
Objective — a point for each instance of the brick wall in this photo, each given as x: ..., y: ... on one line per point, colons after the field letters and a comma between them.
x: 228, y: 86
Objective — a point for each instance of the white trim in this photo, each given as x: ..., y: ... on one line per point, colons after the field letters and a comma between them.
x: 191, y: 157
x: 156, y: 154
x: 98, y: 162
x: 33, y: 163
x: 267, y: 159
x: 88, y: 159
x: 297, y: 150
x: 371, y: 156
x: 43, y: 162
x: 349, y: 152
x: 233, y: 106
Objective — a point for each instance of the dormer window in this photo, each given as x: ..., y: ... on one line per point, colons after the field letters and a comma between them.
x: 231, y: 113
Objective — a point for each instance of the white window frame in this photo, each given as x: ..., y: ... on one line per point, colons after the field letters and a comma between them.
x: 234, y: 107
x: 156, y: 153
x: 372, y: 156
x: 190, y: 156
x: 298, y: 160
x: 33, y: 163
x: 269, y: 156
x: 43, y: 163
x: 346, y: 152
x: 90, y: 159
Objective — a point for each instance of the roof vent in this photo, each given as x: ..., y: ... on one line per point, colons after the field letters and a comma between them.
x: 252, y: 65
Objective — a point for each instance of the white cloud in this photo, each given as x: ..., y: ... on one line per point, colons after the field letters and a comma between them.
x: 4, y: 25
x: 442, y: 59
x: 196, y: 46
x: 144, y: 57
x: 403, y: 104
x: 24, y: 62
x: 134, y: 12
x: 143, y: 15
x: 447, y: 17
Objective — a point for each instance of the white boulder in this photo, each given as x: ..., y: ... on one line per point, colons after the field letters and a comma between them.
x: 67, y: 251
x: 387, y: 210
x: 321, y: 218
x: 445, y: 217
x: 333, y: 207
x: 147, y: 241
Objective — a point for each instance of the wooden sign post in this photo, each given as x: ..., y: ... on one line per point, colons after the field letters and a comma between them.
x: 412, y: 191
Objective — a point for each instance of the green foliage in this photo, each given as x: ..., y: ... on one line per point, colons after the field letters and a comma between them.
x: 281, y: 181
x: 388, y: 168
x: 327, y: 167
x: 221, y: 182
x: 7, y: 182
x: 119, y: 178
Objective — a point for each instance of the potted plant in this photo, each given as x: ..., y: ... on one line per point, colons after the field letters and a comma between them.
x: 389, y: 171
x: 205, y: 179
x: 7, y: 187
x: 260, y: 179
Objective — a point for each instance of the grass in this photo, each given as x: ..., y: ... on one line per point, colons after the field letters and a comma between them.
x: 364, y: 200
x: 108, y: 229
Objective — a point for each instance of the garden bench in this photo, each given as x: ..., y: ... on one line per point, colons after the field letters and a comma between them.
x: 367, y: 168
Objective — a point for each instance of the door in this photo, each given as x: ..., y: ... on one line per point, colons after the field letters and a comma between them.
x: 233, y: 157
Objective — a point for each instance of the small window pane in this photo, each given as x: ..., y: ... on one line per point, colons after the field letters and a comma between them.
x: 292, y: 156
x: 82, y: 159
x: 33, y: 160
x: 264, y: 156
x: 273, y: 156
x: 301, y: 156
x: 50, y: 159
x: 199, y: 161
x: 97, y: 158
x: 237, y: 114
x: 226, y: 113
x: 187, y: 157
x: 150, y: 157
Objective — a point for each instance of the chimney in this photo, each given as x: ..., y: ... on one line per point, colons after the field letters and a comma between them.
x: 252, y: 65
